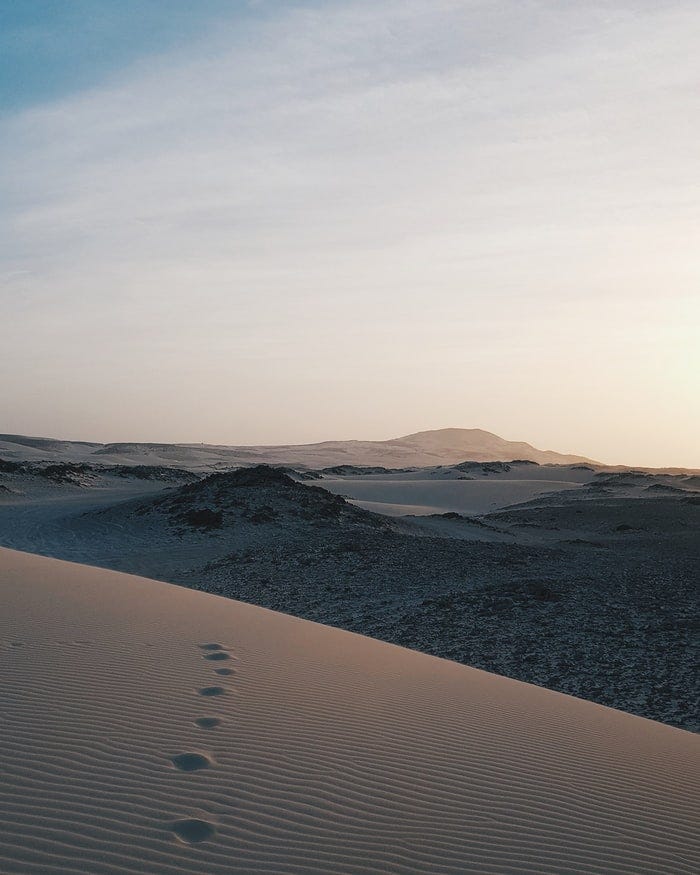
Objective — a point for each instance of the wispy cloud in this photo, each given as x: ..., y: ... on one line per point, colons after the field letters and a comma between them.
x: 344, y: 193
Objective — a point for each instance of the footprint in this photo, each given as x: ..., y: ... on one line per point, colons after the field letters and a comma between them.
x: 192, y: 831
x: 211, y: 646
x: 212, y: 691
x: 191, y: 762
x: 224, y: 671
x: 207, y: 722
x: 217, y: 655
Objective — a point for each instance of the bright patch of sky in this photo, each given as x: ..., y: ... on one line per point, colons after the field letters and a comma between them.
x: 277, y: 222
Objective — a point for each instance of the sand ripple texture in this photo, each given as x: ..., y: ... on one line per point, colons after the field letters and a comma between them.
x: 130, y: 746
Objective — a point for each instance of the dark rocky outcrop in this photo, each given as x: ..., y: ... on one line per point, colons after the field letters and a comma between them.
x: 260, y: 495
x: 483, y: 467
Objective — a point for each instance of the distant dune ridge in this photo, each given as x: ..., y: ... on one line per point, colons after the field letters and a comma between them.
x: 149, y: 728
x: 443, y: 446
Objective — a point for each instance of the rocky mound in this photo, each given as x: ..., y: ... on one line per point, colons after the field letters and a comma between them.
x: 30, y: 475
x: 624, y: 478
x: 255, y: 496
x: 485, y: 467
x: 75, y: 475
x: 152, y: 472
x: 665, y: 488
x: 360, y: 470
x: 78, y: 474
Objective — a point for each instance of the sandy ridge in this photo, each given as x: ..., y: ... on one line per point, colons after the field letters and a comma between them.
x: 334, y: 753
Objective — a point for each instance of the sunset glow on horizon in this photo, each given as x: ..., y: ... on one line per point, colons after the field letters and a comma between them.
x: 268, y: 223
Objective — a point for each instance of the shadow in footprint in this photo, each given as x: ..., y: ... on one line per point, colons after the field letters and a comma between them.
x: 191, y: 762
x: 193, y: 831
x: 207, y: 722
x: 211, y: 646
x: 224, y: 671
x: 217, y: 656
x: 212, y: 691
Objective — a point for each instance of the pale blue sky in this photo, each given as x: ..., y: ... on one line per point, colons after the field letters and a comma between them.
x: 276, y: 222
x: 51, y: 48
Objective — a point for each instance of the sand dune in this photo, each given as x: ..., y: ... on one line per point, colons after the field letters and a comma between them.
x: 442, y: 446
x: 148, y: 728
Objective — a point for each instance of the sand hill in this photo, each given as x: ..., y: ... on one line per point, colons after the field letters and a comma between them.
x: 444, y: 446
x: 148, y: 728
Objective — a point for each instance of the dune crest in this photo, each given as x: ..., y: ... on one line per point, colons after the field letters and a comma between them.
x: 441, y: 446
x: 126, y: 749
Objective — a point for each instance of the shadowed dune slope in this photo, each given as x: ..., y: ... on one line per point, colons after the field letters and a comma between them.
x: 148, y: 728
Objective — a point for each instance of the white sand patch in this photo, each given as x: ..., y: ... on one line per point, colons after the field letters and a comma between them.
x: 396, y: 495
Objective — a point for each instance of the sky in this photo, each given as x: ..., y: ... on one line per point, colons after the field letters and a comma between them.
x: 277, y: 222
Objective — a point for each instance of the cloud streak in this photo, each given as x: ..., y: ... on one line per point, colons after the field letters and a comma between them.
x: 344, y: 195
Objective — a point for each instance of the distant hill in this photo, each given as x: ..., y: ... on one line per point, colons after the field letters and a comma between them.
x: 461, y: 444
x: 442, y: 447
